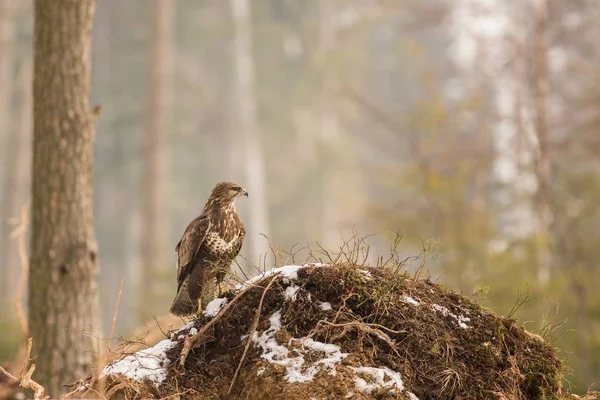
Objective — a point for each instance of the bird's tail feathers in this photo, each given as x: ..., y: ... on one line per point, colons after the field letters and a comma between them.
x: 182, y: 304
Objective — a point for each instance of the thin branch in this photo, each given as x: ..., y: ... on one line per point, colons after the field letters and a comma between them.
x: 251, y: 333
x: 191, y: 340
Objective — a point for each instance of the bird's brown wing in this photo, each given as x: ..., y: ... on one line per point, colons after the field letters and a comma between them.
x: 188, y: 246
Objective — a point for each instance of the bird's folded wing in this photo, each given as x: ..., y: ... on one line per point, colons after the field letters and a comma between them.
x: 189, y: 245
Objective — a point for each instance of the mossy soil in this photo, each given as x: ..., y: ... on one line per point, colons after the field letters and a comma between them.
x: 444, y: 345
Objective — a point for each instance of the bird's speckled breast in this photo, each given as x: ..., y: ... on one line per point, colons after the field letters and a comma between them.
x: 220, y: 246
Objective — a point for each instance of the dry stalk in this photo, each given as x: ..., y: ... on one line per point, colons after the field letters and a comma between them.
x: 115, y: 313
x: 251, y: 333
x: 103, y: 354
x: 25, y: 380
x: 21, y: 232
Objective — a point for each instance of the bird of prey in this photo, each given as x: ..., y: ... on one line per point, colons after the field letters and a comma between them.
x: 207, y: 248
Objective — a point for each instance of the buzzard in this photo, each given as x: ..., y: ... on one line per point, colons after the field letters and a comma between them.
x: 207, y: 248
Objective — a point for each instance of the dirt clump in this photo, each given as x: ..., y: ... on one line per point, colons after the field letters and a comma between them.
x: 342, y: 331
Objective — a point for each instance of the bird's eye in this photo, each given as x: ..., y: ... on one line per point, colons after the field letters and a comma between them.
x: 237, y: 189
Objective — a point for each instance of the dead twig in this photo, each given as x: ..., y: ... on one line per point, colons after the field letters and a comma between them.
x: 115, y: 313
x: 21, y: 233
x: 103, y: 355
x: 251, y: 332
x: 25, y: 380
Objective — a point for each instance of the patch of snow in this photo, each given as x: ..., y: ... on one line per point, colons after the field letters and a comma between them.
x: 333, y: 353
x: 260, y: 371
x: 291, y: 292
x: 460, y: 319
x: 180, y: 337
x: 213, y: 308
x: 380, y: 378
x: 366, y: 274
x: 150, y: 363
x: 485, y: 344
x: 289, y: 272
x: 323, y: 305
x: 183, y: 328
x: 296, y: 370
x: 318, y: 265
x: 193, y: 331
x: 410, y: 300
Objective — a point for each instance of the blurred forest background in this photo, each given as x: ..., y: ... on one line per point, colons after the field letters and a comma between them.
x: 469, y: 121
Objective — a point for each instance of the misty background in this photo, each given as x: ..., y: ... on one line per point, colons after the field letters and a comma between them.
x: 468, y: 124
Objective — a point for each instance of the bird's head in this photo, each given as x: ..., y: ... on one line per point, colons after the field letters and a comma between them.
x: 227, y: 192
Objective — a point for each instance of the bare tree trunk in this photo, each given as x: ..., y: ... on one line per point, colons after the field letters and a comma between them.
x: 247, y: 125
x: 63, y: 292
x: 6, y: 136
x: 541, y: 128
x: 16, y: 185
x: 329, y: 131
x: 154, y: 189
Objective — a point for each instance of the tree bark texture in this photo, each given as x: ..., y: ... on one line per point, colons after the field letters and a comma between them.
x: 329, y: 130
x: 247, y: 126
x: 63, y: 295
x: 154, y: 191
x: 541, y: 87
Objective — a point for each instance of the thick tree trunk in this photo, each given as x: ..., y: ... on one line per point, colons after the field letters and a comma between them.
x: 329, y: 131
x: 63, y: 293
x: 6, y: 136
x: 247, y: 126
x: 154, y: 190
x: 541, y: 127
x: 16, y: 186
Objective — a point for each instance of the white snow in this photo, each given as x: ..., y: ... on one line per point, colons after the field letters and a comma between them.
x: 291, y: 291
x: 183, y: 328
x: 193, y: 331
x: 150, y: 363
x: 293, y: 360
x: 380, y: 378
x: 410, y: 300
x: 287, y: 271
x: 213, y: 308
x: 260, y: 371
x: 460, y: 319
x: 325, y: 306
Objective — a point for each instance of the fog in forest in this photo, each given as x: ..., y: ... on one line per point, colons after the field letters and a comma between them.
x: 464, y: 132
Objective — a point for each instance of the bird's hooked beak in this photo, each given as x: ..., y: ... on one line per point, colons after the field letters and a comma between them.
x: 244, y: 193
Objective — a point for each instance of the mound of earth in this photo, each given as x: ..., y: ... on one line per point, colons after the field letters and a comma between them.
x: 341, y: 332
